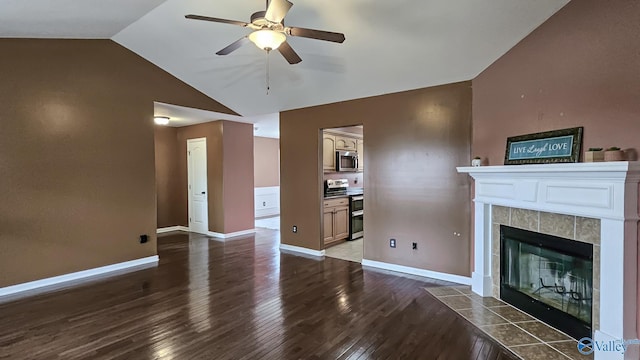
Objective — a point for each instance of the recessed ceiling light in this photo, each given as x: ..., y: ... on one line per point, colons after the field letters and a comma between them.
x: 161, y: 120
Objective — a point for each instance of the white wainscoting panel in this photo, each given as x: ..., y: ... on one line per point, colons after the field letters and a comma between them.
x: 267, y: 201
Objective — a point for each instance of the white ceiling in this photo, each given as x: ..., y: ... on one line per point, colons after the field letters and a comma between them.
x: 75, y: 19
x: 390, y: 45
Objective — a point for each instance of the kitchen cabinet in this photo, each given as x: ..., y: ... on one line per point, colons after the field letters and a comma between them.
x: 332, y: 142
x: 328, y: 152
x: 336, y: 220
x: 346, y: 143
x: 360, y: 150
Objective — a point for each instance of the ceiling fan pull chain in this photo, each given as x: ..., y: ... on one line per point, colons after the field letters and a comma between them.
x: 268, y: 72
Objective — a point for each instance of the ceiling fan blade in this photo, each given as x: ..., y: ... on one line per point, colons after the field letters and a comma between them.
x: 234, y: 46
x: 212, y: 19
x: 277, y: 10
x: 288, y: 53
x: 315, y: 34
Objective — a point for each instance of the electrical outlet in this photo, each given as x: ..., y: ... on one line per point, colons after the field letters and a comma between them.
x: 392, y: 243
x: 294, y: 229
x: 144, y: 238
x: 414, y: 246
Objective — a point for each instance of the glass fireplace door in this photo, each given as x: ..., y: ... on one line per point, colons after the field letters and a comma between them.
x: 548, y: 277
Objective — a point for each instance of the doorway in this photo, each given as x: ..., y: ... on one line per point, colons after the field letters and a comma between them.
x: 197, y: 185
x: 343, y: 210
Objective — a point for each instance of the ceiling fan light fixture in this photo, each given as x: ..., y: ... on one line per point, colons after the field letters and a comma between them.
x: 161, y: 120
x: 266, y: 39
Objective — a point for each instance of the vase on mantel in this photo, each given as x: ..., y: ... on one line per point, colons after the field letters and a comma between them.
x: 613, y: 154
x: 594, y: 155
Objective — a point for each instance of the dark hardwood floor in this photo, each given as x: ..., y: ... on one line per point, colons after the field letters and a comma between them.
x: 241, y: 299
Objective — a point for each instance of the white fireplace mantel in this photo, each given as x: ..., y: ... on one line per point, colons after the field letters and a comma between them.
x: 605, y: 190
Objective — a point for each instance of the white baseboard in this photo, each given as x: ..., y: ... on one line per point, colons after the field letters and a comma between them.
x: 80, y: 275
x: 172, y: 228
x: 302, y: 250
x: 208, y: 233
x: 230, y: 235
x: 420, y: 272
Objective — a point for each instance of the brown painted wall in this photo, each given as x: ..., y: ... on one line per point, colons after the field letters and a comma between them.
x: 77, y: 183
x: 229, y: 175
x: 167, y: 181
x: 580, y: 68
x: 266, y: 154
x: 238, y: 177
x: 415, y: 139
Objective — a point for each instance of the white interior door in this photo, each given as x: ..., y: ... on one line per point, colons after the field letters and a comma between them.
x: 197, y: 179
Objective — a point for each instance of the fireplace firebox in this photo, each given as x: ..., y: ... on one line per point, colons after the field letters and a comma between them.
x: 548, y: 277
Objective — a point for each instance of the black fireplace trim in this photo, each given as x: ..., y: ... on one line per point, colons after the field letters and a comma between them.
x: 562, y: 321
x: 570, y: 247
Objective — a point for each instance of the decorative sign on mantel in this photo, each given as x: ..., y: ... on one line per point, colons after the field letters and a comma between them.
x: 558, y: 146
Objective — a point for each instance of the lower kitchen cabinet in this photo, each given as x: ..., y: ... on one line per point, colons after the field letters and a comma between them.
x: 336, y: 220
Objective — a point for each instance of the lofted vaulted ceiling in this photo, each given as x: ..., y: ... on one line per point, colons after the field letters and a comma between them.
x: 390, y: 45
x: 70, y: 19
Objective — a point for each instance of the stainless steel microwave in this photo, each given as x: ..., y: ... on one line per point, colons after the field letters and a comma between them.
x: 346, y: 161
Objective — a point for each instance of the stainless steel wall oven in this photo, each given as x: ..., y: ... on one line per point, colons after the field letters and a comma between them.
x: 356, y: 209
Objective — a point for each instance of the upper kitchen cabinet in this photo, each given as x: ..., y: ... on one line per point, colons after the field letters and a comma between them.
x: 346, y: 143
x: 328, y: 152
x: 336, y: 140
x: 360, y: 150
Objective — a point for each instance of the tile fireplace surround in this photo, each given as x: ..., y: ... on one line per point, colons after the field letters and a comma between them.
x: 605, y: 191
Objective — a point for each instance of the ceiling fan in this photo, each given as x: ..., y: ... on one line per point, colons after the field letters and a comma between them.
x: 269, y: 32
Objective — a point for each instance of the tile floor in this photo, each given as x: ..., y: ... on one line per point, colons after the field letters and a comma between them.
x: 348, y: 250
x: 525, y: 336
x: 268, y: 222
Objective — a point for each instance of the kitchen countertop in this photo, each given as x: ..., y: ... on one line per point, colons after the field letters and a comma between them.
x: 335, y: 196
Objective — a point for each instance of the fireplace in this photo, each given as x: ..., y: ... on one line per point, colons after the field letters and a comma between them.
x: 593, y: 203
x: 549, y: 277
